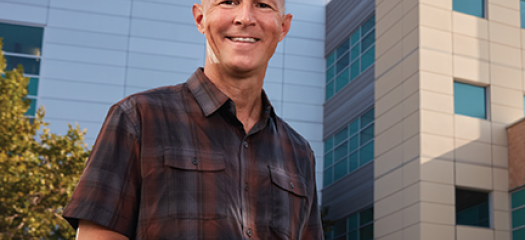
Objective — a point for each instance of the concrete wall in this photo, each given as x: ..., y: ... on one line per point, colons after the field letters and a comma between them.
x: 97, y: 52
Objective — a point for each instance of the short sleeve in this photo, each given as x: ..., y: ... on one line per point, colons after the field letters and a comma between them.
x: 108, y: 192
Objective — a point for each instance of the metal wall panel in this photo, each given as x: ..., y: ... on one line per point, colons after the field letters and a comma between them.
x: 353, y: 100
x: 352, y: 193
x: 342, y: 18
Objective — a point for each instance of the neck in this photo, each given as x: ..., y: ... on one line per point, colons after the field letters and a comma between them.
x: 243, y: 89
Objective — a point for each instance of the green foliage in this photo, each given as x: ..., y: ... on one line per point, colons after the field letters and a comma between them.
x: 327, y: 224
x: 38, y: 170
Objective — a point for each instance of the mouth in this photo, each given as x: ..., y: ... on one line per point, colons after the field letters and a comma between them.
x: 243, y: 39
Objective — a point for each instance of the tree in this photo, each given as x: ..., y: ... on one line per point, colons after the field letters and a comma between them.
x: 38, y: 170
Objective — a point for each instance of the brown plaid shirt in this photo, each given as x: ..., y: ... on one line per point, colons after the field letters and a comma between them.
x: 176, y: 163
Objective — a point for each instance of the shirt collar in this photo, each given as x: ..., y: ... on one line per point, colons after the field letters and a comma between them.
x: 210, y: 98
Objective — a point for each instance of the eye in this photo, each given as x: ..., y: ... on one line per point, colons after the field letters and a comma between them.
x: 227, y: 2
x: 264, y: 5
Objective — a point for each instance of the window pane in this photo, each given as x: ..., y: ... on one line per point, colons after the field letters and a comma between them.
x: 328, y: 144
x: 342, y: 80
x: 368, y: 25
x: 330, y: 73
x: 518, y: 234
x: 340, y: 227
x: 366, y: 216
x: 330, y: 59
x: 32, y: 87
x: 368, y: 58
x: 367, y: 118
x: 354, y: 126
x: 328, y: 159
x: 330, y: 90
x: 356, y: 36
x: 354, y: 143
x: 353, y: 161
x: 522, y: 9
x: 367, y: 153
x: 353, y: 222
x: 21, y: 39
x: 518, y: 199
x: 471, y: 7
x: 343, y: 48
x: 342, y: 63
x: 341, y: 151
x: 31, y: 65
x: 354, y: 69
x: 32, y: 108
x: 356, y: 51
x: 367, y: 233
x: 518, y: 218
x: 340, y: 169
x: 367, y: 134
x: 327, y: 175
x: 368, y: 41
x: 469, y: 100
x: 472, y: 208
x: 340, y: 136
x: 352, y: 235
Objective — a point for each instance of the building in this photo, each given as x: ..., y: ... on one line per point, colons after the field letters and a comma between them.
x: 447, y: 81
x: 412, y: 107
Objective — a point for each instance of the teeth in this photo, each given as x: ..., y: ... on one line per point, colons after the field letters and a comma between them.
x: 250, y: 40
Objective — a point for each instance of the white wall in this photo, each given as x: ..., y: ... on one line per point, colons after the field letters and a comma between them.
x: 96, y: 52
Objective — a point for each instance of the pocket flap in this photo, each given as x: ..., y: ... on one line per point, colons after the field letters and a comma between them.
x: 193, y: 160
x: 288, y: 181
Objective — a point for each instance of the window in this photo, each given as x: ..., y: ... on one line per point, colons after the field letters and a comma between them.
x: 349, y: 149
x: 470, y: 100
x: 23, y: 46
x: 522, y: 10
x: 471, y: 7
x: 472, y: 208
x: 518, y: 214
x: 353, y: 57
x: 358, y: 226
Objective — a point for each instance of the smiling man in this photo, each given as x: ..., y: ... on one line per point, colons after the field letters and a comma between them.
x: 207, y: 159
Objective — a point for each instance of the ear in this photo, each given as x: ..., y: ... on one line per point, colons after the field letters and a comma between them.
x: 198, y: 16
x: 286, y: 24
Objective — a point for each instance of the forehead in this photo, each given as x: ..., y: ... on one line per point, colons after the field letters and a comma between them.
x: 280, y: 2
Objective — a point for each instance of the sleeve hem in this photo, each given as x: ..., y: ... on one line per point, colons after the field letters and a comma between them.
x: 99, y: 216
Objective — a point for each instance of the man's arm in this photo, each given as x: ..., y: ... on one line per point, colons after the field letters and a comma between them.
x: 88, y: 230
x: 314, y: 228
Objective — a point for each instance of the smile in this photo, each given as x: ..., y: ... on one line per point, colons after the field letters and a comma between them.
x: 243, y: 40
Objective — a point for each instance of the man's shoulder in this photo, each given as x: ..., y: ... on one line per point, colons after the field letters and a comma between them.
x: 295, y: 137
x: 156, y: 97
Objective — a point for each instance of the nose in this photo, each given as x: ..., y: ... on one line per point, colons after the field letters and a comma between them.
x: 244, y: 15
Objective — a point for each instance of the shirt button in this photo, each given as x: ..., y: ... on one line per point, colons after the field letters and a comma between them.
x: 245, y: 144
x: 249, y: 232
x: 194, y: 161
x: 246, y: 187
x: 291, y: 185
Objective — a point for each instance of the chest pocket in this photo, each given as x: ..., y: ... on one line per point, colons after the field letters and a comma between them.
x: 289, y: 202
x: 196, y: 183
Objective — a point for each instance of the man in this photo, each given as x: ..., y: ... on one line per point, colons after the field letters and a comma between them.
x: 207, y: 159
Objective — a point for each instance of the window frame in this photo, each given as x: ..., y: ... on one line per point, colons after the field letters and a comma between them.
x: 487, y: 101
x: 489, y: 203
x: 360, y: 226
x: 512, y: 209
x: 485, y: 9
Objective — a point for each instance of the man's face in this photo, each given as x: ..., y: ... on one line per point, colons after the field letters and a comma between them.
x: 242, y: 34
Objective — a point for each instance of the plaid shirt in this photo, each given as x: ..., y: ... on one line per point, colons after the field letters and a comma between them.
x: 176, y: 163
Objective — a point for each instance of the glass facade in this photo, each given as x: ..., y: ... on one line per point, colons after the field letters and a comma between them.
x: 23, y: 46
x: 518, y: 214
x: 472, y: 208
x: 353, y: 57
x: 470, y: 100
x: 358, y: 226
x: 522, y: 13
x: 471, y: 7
x: 349, y: 149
